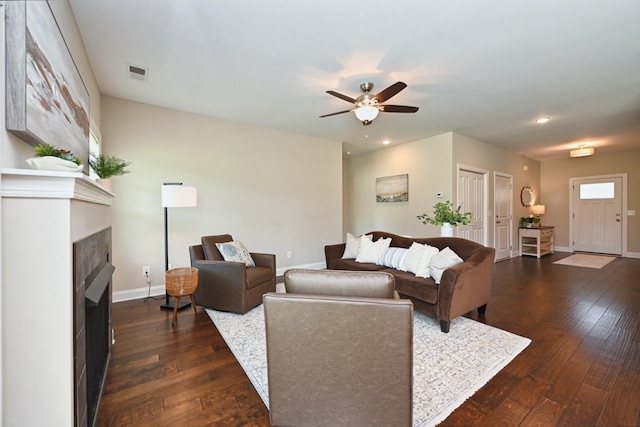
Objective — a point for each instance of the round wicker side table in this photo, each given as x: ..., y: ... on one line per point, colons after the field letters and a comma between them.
x: 181, y: 282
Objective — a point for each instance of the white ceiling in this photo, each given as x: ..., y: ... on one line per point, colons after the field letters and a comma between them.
x: 485, y: 69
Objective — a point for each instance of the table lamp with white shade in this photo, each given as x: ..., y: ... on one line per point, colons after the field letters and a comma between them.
x: 538, y: 210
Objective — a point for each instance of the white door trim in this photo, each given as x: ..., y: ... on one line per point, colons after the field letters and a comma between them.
x: 510, y: 178
x: 623, y: 176
x: 485, y: 198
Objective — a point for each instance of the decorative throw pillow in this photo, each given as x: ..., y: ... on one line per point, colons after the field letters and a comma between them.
x: 441, y: 261
x: 372, y: 251
x: 352, y: 245
x: 394, y: 258
x: 418, y: 259
x: 235, y: 252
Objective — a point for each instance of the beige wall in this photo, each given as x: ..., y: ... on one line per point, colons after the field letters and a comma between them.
x: 428, y: 163
x: 275, y: 191
x: 491, y: 159
x: 555, y: 176
x: 432, y: 165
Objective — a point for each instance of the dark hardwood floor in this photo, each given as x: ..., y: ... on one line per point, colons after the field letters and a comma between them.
x: 581, y: 369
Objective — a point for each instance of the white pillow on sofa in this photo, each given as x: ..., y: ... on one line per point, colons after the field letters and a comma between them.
x: 394, y: 258
x: 352, y: 245
x: 441, y: 261
x: 418, y: 259
x: 372, y: 251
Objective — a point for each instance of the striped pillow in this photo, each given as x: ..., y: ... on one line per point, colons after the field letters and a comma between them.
x: 394, y: 258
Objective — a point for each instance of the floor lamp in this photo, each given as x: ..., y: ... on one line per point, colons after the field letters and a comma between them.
x: 175, y: 195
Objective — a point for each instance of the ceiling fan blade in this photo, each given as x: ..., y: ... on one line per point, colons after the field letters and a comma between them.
x: 390, y: 91
x: 398, y: 109
x: 334, y: 114
x: 341, y: 96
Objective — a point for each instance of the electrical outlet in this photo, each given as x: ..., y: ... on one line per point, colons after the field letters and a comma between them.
x: 146, y: 270
x: 289, y: 254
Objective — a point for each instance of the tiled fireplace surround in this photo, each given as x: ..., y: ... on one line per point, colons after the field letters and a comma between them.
x: 56, y: 244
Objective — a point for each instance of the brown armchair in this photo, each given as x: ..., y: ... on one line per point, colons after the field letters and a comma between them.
x: 339, y: 350
x: 230, y: 286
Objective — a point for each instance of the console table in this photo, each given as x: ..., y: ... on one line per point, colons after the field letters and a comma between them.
x: 536, y: 241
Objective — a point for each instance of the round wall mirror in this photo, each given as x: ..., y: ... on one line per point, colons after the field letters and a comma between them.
x: 526, y: 196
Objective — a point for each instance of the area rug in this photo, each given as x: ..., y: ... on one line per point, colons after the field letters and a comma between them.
x: 447, y: 368
x: 586, y: 260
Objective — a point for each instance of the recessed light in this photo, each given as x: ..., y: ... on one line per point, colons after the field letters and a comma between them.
x: 386, y: 142
x: 543, y: 120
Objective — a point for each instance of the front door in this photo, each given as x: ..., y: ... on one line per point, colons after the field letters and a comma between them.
x: 502, y: 197
x: 597, y: 215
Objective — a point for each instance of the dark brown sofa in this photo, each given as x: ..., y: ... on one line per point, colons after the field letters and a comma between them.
x: 463, y: 287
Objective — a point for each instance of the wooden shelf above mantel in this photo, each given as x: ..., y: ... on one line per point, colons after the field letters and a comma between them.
x: 30, y: 183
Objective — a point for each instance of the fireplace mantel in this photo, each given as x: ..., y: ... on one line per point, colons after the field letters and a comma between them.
x: 53, y: 185
x: 43, y: 215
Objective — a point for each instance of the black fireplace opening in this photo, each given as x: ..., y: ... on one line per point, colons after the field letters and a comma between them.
x: 98, y: 334
x: 92, y: 322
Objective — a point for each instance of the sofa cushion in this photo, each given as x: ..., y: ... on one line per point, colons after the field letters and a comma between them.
x: 257, y: 276
x: 418, y: 259
x: 416, y: 287
x: 235, y: 252
x: 394, y: 258
x: 209, y: 246
x: 351, y: 264
x: 441, y: 261
x: 372, y: 251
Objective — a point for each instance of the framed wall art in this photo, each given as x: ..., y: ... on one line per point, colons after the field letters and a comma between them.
x: 47, y: 100
x: 392, y: 189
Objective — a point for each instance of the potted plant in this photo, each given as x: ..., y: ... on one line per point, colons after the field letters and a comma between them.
x: 530, y: 221
x: 50, y: 157
x: 446, y: 216
x: 106, y: 166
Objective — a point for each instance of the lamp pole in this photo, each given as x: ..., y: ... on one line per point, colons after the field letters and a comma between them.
x: 174, y: 195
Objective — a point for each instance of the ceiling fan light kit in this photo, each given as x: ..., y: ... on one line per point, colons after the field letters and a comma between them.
x: 582, y: 152
x: 367, y: 106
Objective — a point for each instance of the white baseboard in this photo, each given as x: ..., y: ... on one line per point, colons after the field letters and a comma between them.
x: 139, y: 293
x: 314, y: 266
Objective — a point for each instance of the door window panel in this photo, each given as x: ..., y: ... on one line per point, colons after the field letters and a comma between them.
x: 601, y: 190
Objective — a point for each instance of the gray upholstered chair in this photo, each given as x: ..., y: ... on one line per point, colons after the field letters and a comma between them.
x: 230, y: 286
x: 339, y: 350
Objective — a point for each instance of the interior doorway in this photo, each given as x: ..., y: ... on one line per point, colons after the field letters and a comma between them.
x: 597, y: 214
x: 472, y: 196
x: 503, y: 214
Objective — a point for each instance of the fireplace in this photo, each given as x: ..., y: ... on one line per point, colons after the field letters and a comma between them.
x: 56, y: 248
x: 92, y: 301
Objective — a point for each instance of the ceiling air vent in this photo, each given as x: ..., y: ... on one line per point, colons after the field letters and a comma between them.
x: 138, y: 73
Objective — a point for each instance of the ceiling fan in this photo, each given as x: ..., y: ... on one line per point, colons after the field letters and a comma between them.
x: 367, y: 106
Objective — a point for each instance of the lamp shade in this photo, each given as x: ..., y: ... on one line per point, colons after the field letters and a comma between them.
x: 179, y: 196
x: 538, y: 209
x: 366, y: 113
